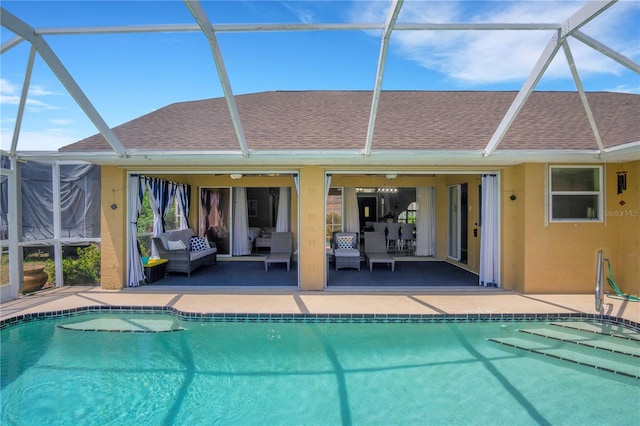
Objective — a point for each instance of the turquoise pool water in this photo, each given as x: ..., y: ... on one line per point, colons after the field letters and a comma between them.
x: 201, y: 373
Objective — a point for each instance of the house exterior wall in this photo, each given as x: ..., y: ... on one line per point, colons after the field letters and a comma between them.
x: 537, y: 256
x: 512, y: 229
x: 623, y: 226
x: 312, y: 250
x: 113, y: 268
x: 554, y: 257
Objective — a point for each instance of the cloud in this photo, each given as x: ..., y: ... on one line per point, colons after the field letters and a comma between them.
x: 304, y: 15
x: 10, y: 95
x: 490, y: 57
x: 48, y: 140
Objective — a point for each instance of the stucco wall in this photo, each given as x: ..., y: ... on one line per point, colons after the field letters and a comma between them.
x: 623, y: 226
x: 561, y: 257
x: 113, y: 190
x: 512, y: 227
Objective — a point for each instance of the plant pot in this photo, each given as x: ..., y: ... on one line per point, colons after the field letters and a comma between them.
x: 34, y: 279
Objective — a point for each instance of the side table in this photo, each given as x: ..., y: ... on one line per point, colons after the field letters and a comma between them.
x: 154, y: 270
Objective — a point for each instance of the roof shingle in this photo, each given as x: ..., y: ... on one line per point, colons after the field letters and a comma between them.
x: 406, y: 120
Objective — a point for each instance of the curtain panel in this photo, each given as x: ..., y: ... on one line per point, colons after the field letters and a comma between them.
x: 489, y: 236
x: 426, y: 221
x: 136, y: 189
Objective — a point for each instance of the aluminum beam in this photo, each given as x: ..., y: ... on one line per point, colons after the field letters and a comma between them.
x: 200, y: 16
x: 23, y: 101
x: 583, y: 96
x: 243, y: 28
x: 572, y: 24
x: 20, y: 28
x: 394, y: 11
x: 11, y: 44
x: 595, y: 44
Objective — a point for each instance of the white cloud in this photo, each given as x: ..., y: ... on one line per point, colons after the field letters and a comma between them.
x: 48, y: 140
x: 487, y: 57
x: 304, y: 15
x: 10, y: 95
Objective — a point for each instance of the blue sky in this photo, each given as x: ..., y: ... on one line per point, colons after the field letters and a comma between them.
x: 129, y: 75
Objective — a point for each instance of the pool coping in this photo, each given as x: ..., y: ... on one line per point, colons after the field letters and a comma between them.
x: 379, y: 318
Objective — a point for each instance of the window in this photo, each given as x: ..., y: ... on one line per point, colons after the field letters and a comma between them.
x: 575, y: 193
x: 409, y: 215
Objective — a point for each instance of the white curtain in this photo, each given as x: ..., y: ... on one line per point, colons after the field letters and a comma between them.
x: 426, y: 221
x: 161, y: 196
x: 241, y: 243
x: 282, y: 221
x: 135, y: 193
x: 296, y: 183
x: 351, y: 213
x: 327, y: 185
x: 183, y: 192
x: 489, y: 243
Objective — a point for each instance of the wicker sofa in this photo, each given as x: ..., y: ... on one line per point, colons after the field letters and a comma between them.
x: 183, y: 260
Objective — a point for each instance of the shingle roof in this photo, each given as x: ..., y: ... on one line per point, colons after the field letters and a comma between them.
x: 406, y: 120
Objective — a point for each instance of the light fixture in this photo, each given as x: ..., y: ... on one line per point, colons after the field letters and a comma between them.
x: 235, y: 175
x: 388, y: 190
x: 391, y: 176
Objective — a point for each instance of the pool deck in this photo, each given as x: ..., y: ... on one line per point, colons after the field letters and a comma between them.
x: 280, y: 301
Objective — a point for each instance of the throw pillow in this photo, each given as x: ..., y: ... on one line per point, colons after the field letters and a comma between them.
x: 345, y: 242
x: 198, y: 243
x: 176, y: 245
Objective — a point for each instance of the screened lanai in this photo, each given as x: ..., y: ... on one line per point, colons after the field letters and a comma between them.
x: 376, y: 50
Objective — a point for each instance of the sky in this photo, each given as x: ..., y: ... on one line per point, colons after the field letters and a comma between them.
x: 126, y: 76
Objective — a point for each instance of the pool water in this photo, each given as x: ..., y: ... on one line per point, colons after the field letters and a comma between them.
x: 192, y: 373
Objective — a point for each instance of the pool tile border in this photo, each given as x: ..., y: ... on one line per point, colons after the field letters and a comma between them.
x: 318, y: 318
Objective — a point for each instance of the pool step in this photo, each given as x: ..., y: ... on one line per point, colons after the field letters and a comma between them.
x: 632, y: 349
x: 601, y: 328
x: 560, y: 351
x: 583, y: 343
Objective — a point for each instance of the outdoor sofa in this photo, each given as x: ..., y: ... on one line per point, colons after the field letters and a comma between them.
x: 185, y: 251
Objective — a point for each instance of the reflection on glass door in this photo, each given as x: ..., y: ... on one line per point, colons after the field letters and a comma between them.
x: 215, y: 217
x: 454, y: 222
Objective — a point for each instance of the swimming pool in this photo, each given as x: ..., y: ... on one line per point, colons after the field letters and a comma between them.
x: 162, y: 369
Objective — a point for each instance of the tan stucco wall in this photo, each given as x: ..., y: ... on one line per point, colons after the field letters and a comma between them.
x: 311, y: 253
x: 623, y: 226
x: 537, y: 257
x: 561, y: 257
x: 113, y: 268
x: 512, y: 227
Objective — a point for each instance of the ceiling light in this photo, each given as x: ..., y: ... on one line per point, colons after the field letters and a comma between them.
x: 391, y: 176
x: 235, y: 175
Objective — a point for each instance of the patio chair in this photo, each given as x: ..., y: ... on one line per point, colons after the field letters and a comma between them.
x: 281, y: 249
x: 375, y: 250
x: 345, y: 250
x: 393, y: 236
x: 406, y: 236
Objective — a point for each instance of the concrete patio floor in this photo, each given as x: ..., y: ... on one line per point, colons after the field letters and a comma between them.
x: 277, y: 301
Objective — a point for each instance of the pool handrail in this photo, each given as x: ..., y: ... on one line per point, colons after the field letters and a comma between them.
x: 599, y: 291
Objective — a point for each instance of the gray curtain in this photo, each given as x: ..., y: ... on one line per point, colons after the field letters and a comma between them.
x: 79, y: 201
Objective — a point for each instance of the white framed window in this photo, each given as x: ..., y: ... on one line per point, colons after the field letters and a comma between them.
x: 575, y: 193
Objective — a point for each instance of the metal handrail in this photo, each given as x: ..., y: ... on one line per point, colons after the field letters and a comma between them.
x: 599, y: 291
